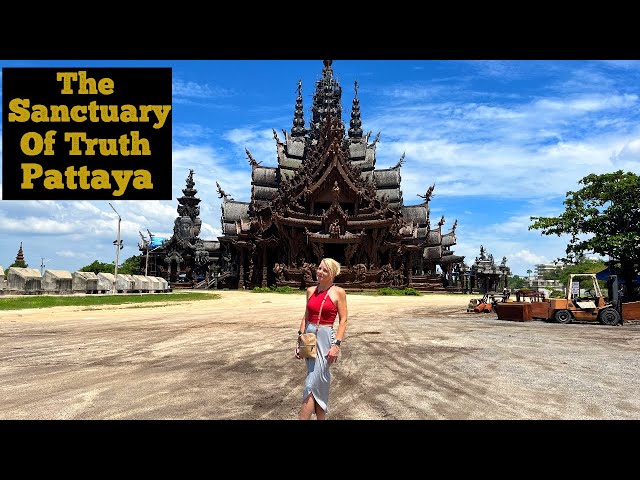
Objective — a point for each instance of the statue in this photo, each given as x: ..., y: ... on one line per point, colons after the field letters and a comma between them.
x: 307, y: 273
x: 278, y: 269
x: 360, y: 271
x: 387, y: 274
x: 334, y: 229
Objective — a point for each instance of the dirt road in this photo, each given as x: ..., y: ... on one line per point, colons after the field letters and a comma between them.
x: 232, y: 358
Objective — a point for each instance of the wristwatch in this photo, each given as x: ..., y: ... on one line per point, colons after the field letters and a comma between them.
x: 337, y: 342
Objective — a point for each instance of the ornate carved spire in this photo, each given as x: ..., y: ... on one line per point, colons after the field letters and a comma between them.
x: 298, y: 129
x: 355, y: 126
x: 188, y: 203
x: 20, y: 255
x: 326, y: 100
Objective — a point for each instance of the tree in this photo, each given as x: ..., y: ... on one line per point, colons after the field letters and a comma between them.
x: 516, y: 282
x: 131, y: 266
x: 17, y: 263
x: 582, y: 265
x: 553, y: 274
x: 99, y: 267
x: 603, y: 217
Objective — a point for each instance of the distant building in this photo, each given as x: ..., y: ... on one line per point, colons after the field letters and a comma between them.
x: 486, y: 276
x: 19, y: 261
x: 538, y: 281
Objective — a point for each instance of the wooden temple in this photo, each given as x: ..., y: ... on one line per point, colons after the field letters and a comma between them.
x: 325, y: 198
x: 486, y: 276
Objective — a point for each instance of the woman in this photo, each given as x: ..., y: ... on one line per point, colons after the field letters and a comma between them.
x: 315, y: 397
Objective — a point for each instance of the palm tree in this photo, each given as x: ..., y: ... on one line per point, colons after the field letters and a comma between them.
x: 529, y: 273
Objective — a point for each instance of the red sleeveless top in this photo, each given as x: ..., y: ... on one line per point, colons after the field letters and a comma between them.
x: 329, y: 310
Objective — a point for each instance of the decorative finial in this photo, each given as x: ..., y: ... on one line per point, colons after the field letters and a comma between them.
x: 355, y: 130
x: 400, y: 162
x: 222, y: 193
x: 298, y: 129
x: 427, y: 196
x: 252, y: 160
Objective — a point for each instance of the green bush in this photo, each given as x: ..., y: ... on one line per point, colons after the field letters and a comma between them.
x: 557, y: 294
x: 396, y: 291
x: 275, y: 289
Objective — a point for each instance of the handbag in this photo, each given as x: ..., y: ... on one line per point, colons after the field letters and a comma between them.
x: 307, y: 342
x: 307, y: 346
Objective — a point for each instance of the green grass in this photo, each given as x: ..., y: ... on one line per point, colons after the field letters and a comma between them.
x: 47, y: 301
x: 395, y: 291
x: 380, y: 291
x: 274, y: 289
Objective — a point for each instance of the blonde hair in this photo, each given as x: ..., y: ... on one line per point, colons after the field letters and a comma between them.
x: 332, y: 266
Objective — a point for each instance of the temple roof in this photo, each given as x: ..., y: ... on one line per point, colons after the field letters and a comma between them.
x: 325, y: 173
x: 485, y: 264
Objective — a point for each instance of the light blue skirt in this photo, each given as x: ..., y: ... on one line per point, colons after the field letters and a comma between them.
x: 318, y: 369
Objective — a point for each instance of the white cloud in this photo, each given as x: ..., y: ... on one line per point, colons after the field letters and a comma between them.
x: 190, y: 131
x: 629, y: 152
x: 528, y: 257
x: 35, y: 225
x: 259, y: 142
x: 585, y: 104
x: 190, y: 89
x: 412, y: 92
x: 210, y: 167
x: 71, y: 254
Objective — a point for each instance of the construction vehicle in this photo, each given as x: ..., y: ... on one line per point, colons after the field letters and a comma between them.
x: 579, y: 304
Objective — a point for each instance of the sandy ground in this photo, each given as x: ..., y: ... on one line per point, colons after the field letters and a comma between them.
x: 232, y: 358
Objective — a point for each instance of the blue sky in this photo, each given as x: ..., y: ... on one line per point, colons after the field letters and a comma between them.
x: 501, y: 140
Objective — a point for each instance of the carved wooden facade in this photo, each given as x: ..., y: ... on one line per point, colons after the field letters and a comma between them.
x: 486, y: 276
x: 325, y: 198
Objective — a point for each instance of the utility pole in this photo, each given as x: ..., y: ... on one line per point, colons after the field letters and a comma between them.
x: 147, y: 244
x: 118, y: 245
x: 146, y: 263
x: 42, y: 265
